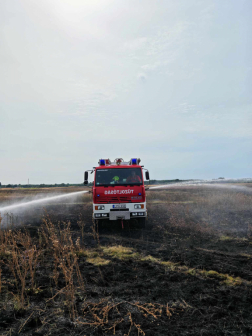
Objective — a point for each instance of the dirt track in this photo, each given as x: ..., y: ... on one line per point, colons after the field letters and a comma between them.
x: 188, y: 273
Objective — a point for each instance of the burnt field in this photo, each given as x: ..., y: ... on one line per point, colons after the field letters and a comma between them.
x: 188, y: 273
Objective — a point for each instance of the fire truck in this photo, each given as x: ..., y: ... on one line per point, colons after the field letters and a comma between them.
x: 119, y: 191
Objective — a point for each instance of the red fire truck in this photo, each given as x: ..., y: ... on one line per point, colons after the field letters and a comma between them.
x: 118, y: 191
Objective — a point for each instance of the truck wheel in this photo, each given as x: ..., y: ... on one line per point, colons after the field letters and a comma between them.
x: 141, y: 222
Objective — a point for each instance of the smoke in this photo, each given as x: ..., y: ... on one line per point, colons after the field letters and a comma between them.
x: 222, y: 208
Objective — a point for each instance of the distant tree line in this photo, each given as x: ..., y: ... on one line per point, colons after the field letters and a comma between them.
x: 162, y: 181
x: 77, y: 184
x: 41, y: 185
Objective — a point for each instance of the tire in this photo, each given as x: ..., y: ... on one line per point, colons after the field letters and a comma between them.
x: 141, y: 222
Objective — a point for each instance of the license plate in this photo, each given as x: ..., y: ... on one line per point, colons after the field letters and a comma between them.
x: 119, y: 206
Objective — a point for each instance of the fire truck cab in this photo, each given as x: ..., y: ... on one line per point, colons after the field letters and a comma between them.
x: 119, y: 191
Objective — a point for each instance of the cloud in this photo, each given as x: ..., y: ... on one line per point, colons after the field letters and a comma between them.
x: 142, y: 77
x: 136, y: 44
x: 82, y: 79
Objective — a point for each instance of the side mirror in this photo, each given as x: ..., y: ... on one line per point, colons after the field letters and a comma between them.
x: 147, y: 175
x: 86, y: 177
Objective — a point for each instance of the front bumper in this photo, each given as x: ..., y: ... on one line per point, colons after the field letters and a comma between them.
x: 128, y: 212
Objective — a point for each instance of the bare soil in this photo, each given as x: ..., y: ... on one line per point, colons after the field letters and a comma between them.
x: 188, y: 273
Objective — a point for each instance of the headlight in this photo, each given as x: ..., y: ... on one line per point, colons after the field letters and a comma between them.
x: 101, y: 207
x: 134, y: 213
x: 97, y: 215
x: 140, y: 213
x: 137, y: 206
x: 104, y: 215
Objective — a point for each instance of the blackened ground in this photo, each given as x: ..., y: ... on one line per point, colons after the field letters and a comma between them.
x: 193, y: 262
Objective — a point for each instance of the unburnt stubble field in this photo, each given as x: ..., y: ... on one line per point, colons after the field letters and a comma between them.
x: 188, y: 273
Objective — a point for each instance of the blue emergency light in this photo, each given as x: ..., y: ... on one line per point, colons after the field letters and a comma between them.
x: 134, y: 161
x: 102, y: 162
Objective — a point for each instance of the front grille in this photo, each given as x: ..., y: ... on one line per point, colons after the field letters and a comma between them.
x: 114, y: 199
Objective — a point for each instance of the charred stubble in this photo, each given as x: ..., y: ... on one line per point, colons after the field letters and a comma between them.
x: 188, y: 273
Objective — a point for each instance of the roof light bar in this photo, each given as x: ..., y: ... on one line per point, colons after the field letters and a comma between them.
x: 135, y: 161
x: 119, y: 161
x: 104, y: 162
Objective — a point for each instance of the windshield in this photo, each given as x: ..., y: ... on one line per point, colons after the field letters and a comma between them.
x: 118, y: 176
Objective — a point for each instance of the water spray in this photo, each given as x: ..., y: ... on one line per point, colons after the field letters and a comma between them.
x: 206, y: 183
x: 42, y: 200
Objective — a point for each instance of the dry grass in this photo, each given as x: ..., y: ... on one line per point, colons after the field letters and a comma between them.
x: 93, y: 257
x: 21, y: 255
x: 119, y: 251
x: 58, y: 239
x: 125, y: 253
x: 124, y: 312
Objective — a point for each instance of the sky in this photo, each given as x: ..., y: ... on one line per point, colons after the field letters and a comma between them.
x: 166, y: 81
